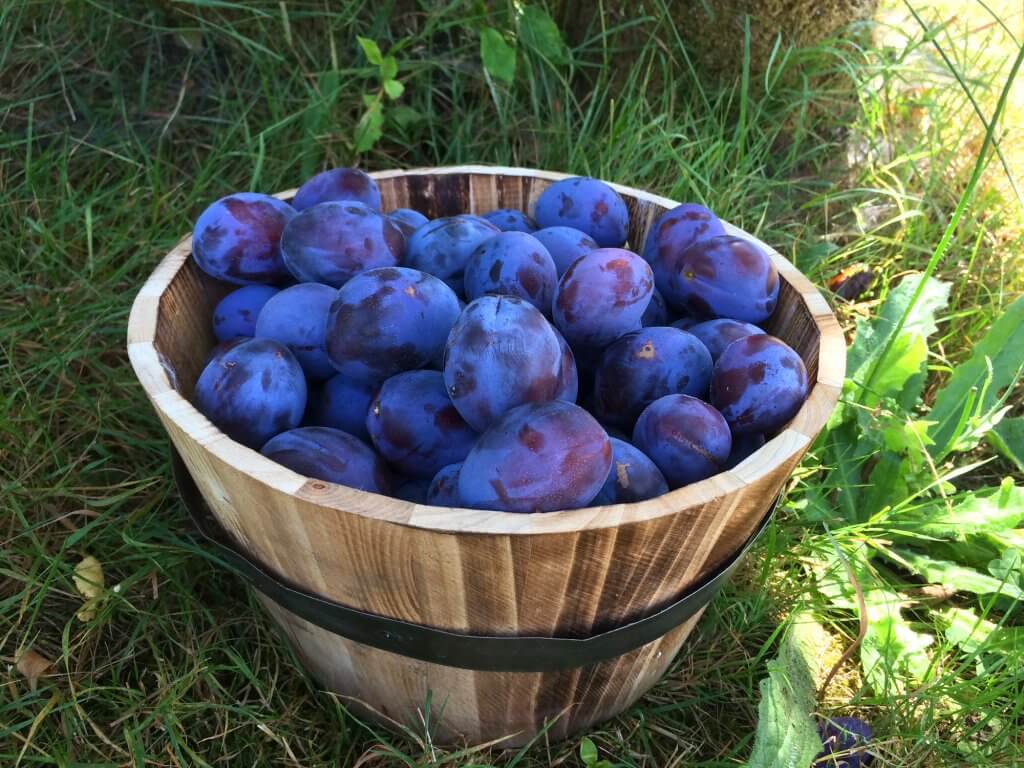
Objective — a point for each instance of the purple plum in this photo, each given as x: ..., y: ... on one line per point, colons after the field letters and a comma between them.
x: 252, y: 391
x: 335, y: 241
x: 414, y: 425
x: 235, y: 314
x: 644, y: 366
x: 444, y: 488
x: 338, y: 184
x: 722, y: 276
x: 758, y: 383
x: 719, y: 334
x: 330, y: 455
x: 744, y: 446
x: 512, y: 264
x: 602, y: 296
x: 588, y: 205
x: 407, y: 220
x: 342, y: 403
x: 568, y: 378
x: 389, y: 320
x: 443, y: 246
x: 297, y: 317
x: 633, y: 477
x: 501, y: 353
x: 656, y: 313
x: 677, y: 229
x: 412, y: 489
x: 510, y: 220
x: 845, y: 740
x: 238, y: 239
x: 538, y: 457
x: 565, y: 245
x: 685, y: 437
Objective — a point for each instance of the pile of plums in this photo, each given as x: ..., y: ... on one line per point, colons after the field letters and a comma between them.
x: 500, y: 362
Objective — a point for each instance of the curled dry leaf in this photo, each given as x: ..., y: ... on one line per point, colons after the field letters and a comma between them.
x: 33, y: 665
x: 89, y: 582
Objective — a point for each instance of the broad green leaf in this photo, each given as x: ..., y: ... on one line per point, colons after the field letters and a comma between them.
x: 873, y: 335
x: 973, y: 633
x: 370, y: 127
x: 371, y: 49
x: 886, y: 485
x: 539, y: 31
x: 1008, y: 439
x: 905, y: 360
x: 588, y: 751
x: 499, y: 57
x: 393, y: 88
x: 388, y: 68
x: 893, y: 653
x: 1003, y: 348
x: 907, y: 436
x: 787, y: 733
x: 847, y: 461
x: 1009, y: 566
x: 404, y: 116
x: 977, y: 512
x: 1012, y: 538
x: 953, y: 575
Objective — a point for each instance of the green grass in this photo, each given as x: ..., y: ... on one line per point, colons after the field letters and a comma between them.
x: 120, y: 122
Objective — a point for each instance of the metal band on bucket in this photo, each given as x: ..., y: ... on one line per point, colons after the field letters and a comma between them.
x: 490, y: 653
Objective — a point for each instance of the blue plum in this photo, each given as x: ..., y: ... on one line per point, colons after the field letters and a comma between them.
x: 412, y: 489
x: 633, y: 477
x: 743, y: 446
x: 330, y: 455
x: 297, y: 317
x: 656, y: 312
x: 538, y: 457
x: 501, y: 353
x: 389, y: 320
x: 407, y: 220
x: 344, y: 184
x: 719, y: 334
x: 444, y: 488
x: 685, y: 323
x: 414, y: 425
x: 235, y: 314
x: 238, y: 239
x: 722, y: 276
x: 844, y: 742
x: 602, y: 296
x: 644, y: 366
x: 759, y: 383
x: 510, y: 220
x: 568, y: 376
x: 685, y: 437
x: 512, y: 264
x: 333, y: 242
x: 252, y: 391
x: 443, y: 246
x: 565, y: 245
x: 342, y: 403
x: 588, y: 205
x: 222, y: 347
x: 677, y: 229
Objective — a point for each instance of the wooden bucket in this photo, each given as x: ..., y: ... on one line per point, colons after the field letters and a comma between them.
x: 460, y: 573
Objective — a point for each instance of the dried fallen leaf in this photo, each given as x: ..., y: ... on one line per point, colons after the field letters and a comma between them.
x: 89, y: 582
x: 33, y: 665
